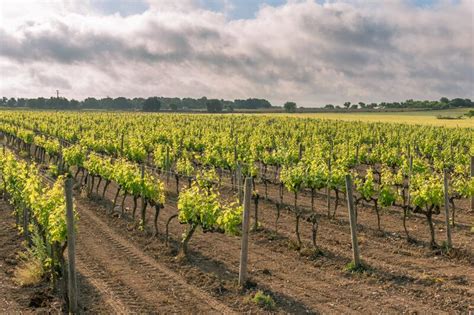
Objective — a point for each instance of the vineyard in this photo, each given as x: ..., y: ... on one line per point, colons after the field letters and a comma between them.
x: 174, y: 185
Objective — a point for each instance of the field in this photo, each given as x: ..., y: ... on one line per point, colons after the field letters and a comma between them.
x: 408, y: 117
x: 160, y: 198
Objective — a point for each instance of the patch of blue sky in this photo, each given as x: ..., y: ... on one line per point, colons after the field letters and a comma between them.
x: 123, y: 7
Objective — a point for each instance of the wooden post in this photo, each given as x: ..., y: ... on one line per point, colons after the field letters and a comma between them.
x: 143, y: 198
x: 245, y: 233
x: 472, y: 175
x: 328, y: 191
x: 238, y: 182
x: 167, y: 161
x: 89, y: 184
x: 449, y: 243
x: 352, y: 220
x: 60, y: 158
x: 71, y: 249
x: 26, y: 223
x: 410, y: 172
x: 121, y: 144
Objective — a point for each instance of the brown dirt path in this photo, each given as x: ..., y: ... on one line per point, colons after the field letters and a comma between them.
x: 129, y: 280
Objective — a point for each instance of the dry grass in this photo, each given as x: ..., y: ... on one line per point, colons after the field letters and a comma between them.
x: 29, y: 272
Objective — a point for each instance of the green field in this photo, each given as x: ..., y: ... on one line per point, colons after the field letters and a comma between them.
x: 416, y: 117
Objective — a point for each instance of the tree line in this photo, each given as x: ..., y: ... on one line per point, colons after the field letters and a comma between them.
x: 443, y: 103
x: 138, y: 103
x: 212, y: 105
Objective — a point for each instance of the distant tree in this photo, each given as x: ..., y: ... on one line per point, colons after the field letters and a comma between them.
x: 57, y: 103
x: 137, y: 103
x: 173, y: 107
x: 329, y: 106
x: 354, y: 106
x: 11, y: 102
x: 470, y: 113
x: 338, y: 107
x: 122, y: 103
x: 372, y: 105
x: 214, y: 106
x: 347, y: 105
x: 90, y: 102
x: 21, y: 102
x: 444, y: 100
x: 459, y: 102
x: 39, y: 102
x: 74, y: 104
x: 290, y: 107
x: 252, y: 103
x: 362, y: 105
x: 151, y: 104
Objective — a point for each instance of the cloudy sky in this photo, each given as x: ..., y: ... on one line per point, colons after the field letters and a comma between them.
x: 313, y: 52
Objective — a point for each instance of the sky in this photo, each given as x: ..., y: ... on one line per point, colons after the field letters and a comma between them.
x: 312, y: 52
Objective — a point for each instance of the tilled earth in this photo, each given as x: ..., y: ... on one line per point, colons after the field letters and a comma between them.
x: 125, y: 270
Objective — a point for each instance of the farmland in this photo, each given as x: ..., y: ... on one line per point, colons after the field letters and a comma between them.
x: 406, y: 117
x: 159, y: 201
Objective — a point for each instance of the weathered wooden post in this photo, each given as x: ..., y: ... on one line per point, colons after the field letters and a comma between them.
x: 353, y: 223
x: 168, y: 166
x: 446, y: 211
x: 238, y: 182
x: 60, y: 158
x: 245, y: 232
x: 472, y: 175
x: 71, y: 249
x: 121, y: 144
x: 143, y: 212
x: 410, y: 172
x: 328, y: 190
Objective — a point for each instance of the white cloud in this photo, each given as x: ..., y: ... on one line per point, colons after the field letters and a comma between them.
x: 302, y: 51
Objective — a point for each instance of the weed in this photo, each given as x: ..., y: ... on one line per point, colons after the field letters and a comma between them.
x: 263, y: 300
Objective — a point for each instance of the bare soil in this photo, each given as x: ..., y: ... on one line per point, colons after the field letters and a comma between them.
x: 125, y: 270
x: 401, y: 277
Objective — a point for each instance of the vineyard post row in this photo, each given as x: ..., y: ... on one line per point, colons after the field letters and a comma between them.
x: 168, y: 168
x: 61, y: 141
x: 72, y: 287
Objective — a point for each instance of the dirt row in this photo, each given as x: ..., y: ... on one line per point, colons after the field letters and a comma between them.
x: 402, y: 277
x: 126, y: 270
x: 115, y: 276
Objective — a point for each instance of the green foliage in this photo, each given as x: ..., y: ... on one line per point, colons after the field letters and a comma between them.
x: 427, y: 190
x: 292, y: 151
x: 74, y: 155
x: 353, y: 268
x: 264, y: 300
x: 47, y: 204
x: 202, y: 206
x: 293, y: 177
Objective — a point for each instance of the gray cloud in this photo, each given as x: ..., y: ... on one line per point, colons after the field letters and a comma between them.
x: 310, y: 53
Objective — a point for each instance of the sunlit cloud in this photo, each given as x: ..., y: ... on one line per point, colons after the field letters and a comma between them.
x: 312, y: 52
